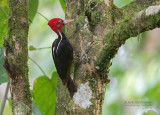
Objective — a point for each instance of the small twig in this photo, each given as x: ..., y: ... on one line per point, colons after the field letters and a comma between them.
x: 38, y: 66
x: 3, y: 12
x: 43, y: 16
x: 39, y: 14
x: 42, y: 48
x: 4, y: 99
x: 32, y: 48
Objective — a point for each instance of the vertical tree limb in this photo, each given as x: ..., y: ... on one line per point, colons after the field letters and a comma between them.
x: 16, y: 56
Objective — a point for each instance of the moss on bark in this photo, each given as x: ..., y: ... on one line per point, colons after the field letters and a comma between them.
x: 100, y: 27
x: 16, y: 58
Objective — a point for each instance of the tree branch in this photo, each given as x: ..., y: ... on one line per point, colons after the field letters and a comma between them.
x: 137, y: 5
x: 145, y: 20
x: 38, y: 66
x: 4, y: 99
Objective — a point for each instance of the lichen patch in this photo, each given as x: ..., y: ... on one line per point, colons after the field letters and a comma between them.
x: 83, y: 96
x: 152, y: 10
x: 17, y: 45
x: 23, y: 20
x: 106, y: 2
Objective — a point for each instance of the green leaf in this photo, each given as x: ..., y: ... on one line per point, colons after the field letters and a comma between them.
x: 54, y: 79
x: 3, y: 32
x: 35, y: 110
x: 3, y: 74
x: 121, y: 3
x: 33, y: 6
x: 62, y: 2
x: 63, y: 29
x: 32, y: 48
x: 44, y: 94
x: 3, y: 20
x: 10, y: 102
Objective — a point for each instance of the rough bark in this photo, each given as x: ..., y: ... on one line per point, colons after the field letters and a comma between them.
x: 99, y: 30
x: 16, y: 56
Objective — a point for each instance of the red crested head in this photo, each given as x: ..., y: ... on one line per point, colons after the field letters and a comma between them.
x: 56, y: 24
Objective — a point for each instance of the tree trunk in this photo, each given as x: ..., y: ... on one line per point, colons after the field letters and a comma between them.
x: 16, y: 56
x: 98, y: 31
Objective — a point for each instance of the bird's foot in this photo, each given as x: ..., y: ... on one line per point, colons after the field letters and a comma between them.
x: 84, y: 56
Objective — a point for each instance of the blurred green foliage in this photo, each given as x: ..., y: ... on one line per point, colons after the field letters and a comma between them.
x: 3, y: 74
x: 121, y: 3
x: 3, y: 20
x: 135, y: 77
x: 150, y: 113
x: 33, y: 6
x: 62, y: 2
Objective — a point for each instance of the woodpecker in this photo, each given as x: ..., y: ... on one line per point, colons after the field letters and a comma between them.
x: 62, y: 53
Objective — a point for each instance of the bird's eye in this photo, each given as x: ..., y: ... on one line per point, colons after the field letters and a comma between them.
x: 60, y: 21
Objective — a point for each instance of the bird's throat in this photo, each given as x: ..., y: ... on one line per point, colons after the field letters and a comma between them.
x: 61, y: 37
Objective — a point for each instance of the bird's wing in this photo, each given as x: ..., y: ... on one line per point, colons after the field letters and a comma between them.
x: 63, y: 60
x: 53, y: 47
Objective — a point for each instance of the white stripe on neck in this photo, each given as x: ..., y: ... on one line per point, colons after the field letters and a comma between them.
x: 59, y: 41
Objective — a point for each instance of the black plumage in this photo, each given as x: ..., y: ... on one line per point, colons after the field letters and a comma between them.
x: 62, y: 53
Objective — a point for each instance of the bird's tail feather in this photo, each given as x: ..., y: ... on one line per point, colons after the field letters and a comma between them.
x: 71, y: 87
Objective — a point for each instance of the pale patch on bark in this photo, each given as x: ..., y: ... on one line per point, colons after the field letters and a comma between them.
x: 138, y: 15
x: 19, y: 109
x: 152, y: 10
x: 106, y: 2
x: 17, y: 45
x: 86, y: 25
x: 23, y: 20
x: 83, y: 96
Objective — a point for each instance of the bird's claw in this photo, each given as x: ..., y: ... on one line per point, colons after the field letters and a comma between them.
x: 85, y: 52
x: 85, y: 56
